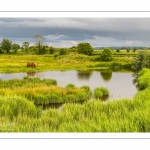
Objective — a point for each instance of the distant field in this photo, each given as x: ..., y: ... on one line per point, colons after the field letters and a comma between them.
x: 18, y: 62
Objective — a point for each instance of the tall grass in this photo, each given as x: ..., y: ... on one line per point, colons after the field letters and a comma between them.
x: 100, y: 92
x: 44, y: 91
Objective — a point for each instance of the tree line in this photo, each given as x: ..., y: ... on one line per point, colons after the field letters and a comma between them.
x: 6, y: 46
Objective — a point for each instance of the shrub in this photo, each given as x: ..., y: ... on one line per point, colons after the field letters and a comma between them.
x: 85, y: 48
x: 106, y: 55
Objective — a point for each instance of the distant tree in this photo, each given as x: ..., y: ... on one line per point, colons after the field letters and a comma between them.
x: 85, y: 48
x: 15, y: 47
x: 134, y: 49
x: 51, y: 50
x: 25, y: 45
x: 106, y: 54
x: 63, y: 51
x: 73, y: 49
x: 128, y: 50
x: 0, y: 49
x: 118, y: 50
x: 39, y: 41
x: 43, y: 49
x: 6, y: 45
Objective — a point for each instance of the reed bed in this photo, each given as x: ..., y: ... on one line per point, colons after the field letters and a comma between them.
x: 44, y: 91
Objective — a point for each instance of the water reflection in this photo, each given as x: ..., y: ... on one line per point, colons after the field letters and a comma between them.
x: 84, y: 74
x: 57, y: 105
x: 106, y: 74
x: 31, y: 74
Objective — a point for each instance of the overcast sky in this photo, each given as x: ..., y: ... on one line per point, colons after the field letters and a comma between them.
x: 67, y: 32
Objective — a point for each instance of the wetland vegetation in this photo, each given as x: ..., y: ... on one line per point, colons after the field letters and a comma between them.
x: 21, y: 100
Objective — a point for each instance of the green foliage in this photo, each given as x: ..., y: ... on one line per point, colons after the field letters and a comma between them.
x: 100, y: 92
x: 6, y: 45
x: 117, y: 50
x: 142, y: 60
x: 25, y: 45
x: 62, y: 51
x: 70, y: 85
x: 12, y: 106
x: 128, y: 50
x: 15, y: 47
x: 134, y: 50
x: 51, y: 50
x: 143, y: 79
x: 106, y: 55
x: 85, y: 48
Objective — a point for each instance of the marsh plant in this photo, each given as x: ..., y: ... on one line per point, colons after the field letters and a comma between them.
x: 100, y: 92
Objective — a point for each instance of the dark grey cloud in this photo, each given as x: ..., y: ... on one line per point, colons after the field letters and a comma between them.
x: 70, y: 31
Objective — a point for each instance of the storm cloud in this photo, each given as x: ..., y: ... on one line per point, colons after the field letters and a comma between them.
x: 66, y: 32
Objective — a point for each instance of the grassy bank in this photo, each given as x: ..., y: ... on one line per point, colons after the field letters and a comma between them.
x: 124, y: 115
x: 18, y: 63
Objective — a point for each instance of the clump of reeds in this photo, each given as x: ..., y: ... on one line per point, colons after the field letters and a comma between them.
x: 70, y: 85
x: 100, y: 92
x: 12, y: 106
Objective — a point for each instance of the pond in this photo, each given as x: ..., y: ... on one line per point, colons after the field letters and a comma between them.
x: 120, y: 84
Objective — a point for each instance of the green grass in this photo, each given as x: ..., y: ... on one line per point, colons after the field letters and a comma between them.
x: 18, y: 63
x: 44, y: 91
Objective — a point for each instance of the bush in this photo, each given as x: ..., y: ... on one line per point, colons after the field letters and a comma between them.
x: 85, y: 48
x: 142, y: 60
x: 106, y: 55
x: 62, y: 51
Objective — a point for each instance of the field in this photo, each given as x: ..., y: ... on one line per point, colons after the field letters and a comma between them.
x: 18, y: 62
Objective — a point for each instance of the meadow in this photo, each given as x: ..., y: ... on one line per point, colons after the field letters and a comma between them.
x: 10, y: 63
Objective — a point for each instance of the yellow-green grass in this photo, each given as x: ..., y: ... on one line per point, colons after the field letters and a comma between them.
x: 18, y: 63
x: 44, y: 91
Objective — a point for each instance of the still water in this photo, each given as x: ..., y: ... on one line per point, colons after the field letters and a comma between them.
x: 119, y: 84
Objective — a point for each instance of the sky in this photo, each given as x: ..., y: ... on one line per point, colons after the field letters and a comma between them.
x: 68, y: 32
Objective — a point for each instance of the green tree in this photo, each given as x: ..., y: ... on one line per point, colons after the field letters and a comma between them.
x: 118, y: 50
x: 25, y: 45
x: 15, y: 47
x: 6, y: 45
x: 142, y: 60
x: 106, y: 54
x: 0, y: 49
x: 128, y: 49
x: 39, y: 41
x: 134, y: 49
x: 63, y: 51
x: 51, y: 50
x: 85, y: 48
